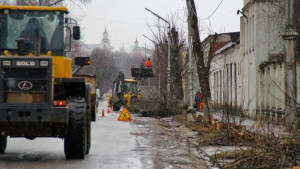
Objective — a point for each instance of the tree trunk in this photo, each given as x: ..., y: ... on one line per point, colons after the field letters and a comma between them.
x: 176, y: 67
x: 205, y: 89
x: 198, y: 54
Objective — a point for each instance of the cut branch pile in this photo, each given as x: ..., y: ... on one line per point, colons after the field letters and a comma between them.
x: 260, y: 148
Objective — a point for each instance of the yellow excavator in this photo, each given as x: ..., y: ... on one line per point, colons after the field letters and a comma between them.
x: 124, y: 93
x: 39, y: 97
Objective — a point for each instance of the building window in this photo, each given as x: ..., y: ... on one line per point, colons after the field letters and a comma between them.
x: 249, y: 36
x: 245, y: 38
x: 253, y: 32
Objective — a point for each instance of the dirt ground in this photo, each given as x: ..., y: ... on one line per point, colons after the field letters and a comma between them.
x: 167, y: 149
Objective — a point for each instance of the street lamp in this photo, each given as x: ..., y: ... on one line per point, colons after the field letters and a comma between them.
x: 169, y: 54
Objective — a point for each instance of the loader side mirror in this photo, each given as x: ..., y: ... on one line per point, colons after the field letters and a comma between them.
x: 76, y: 32
x: 82, y: 61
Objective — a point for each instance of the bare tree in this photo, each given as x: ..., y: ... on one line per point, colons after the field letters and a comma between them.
x: 203, y: 65
x: 5, y: 2
x: 177, y: 68
x: 160, y: 37
x: 103, y: 66
x: 44, y: 2
x: 125, y: 61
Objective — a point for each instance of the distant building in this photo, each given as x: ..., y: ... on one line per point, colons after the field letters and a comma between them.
x: 140, y: 51
x: 86, y: 49
x: 105, y: 43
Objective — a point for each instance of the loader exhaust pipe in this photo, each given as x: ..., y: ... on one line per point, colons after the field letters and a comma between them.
x: 21, y: 46
x: 37, y: 42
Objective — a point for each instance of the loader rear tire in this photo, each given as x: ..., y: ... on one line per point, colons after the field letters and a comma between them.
x: 75, y: 140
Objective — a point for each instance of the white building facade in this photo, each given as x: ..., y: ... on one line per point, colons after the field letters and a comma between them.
x: 250, y: 75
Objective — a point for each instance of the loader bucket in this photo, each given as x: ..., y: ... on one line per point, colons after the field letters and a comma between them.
x: 141, y: 72
x: 136, y: 72
x: 147, y: 72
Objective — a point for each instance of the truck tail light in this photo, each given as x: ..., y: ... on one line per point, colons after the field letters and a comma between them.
x: 60, y: 103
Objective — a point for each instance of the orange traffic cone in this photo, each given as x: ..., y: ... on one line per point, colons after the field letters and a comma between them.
x: 201, y: 107
x: 103, y: 113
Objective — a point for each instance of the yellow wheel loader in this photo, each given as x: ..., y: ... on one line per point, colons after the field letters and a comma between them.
x: 39, y: 97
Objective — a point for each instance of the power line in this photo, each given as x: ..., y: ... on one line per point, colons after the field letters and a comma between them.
x: 93, y: 19
x: 210, y: 14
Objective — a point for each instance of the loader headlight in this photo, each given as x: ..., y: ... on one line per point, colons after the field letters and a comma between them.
x: 6, y: 63
x: 44, y: 63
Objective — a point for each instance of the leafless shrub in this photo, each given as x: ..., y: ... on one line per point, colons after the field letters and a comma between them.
x: 155, y: 106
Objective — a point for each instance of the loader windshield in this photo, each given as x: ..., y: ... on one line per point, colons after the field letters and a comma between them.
x: 47, y: 26
x: 131, y: 86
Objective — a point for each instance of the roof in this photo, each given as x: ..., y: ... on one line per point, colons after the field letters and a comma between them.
x: 229, y: 45
x: 222, y: 45
x: 233, y: 35
x: 34, y: 8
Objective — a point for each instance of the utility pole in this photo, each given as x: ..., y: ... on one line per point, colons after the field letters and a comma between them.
x: 190, y: 72
x: 190, y: 64
x: 190, y: 43
x: 169, y: 54
x: 290, y: 37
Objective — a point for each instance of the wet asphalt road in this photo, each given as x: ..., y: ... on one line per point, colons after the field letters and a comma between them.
x: 115, y: 145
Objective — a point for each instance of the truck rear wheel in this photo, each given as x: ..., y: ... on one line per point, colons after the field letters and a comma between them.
x: 133, y: 105
x: 75, y: 140
x: 3, y: 143
x: 116, y: 107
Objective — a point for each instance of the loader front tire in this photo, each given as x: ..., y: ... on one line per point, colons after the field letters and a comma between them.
x: 75, y: 140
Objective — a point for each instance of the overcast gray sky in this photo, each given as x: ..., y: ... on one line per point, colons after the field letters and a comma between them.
x: 127, y: 20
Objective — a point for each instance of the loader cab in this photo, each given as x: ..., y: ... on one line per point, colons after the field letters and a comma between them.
x: 123, y: 87
x: 130, y: 86
x: 38, y: 31
x: 31, y: 23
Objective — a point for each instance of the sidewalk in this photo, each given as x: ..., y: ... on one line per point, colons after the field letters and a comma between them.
x: 262, y: 127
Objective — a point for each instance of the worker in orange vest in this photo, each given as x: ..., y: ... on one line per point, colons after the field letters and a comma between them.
x: 148, y: 63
